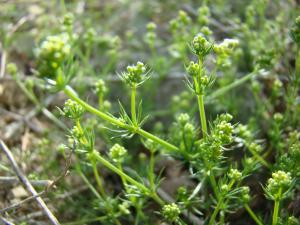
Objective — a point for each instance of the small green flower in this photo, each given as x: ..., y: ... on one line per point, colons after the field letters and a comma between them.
x: 226, y: 47
x: 134, y: 74
x: 182, y: 119
x: 200, y: 46
x: 245, y: 194
x: 117, y: 153
x: 151, y: 26
x: 100, y: 87
x: 171, y: 212
x: 77, y: 132
x: 72, y: 110
x: 225, y: 188
x: 12, y: 69
x: 68, y: 19
x: 234, y: 174
x: 52, y: 53
x: 254, y: 147
x: 278, y: 185
x: 193, y: 69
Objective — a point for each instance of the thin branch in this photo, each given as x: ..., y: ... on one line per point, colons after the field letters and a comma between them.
x: 27, y: 184
x: 15, y: 180
x: 47, y: 188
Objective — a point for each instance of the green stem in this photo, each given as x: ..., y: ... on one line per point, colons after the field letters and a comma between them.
x: 129, y: 179
x: 215, y: 213
x: 98, y: 179
x: 72, y: 94
x: 252, y: 214
x: 259, y: 158
x: 227, y: 88
x: 151, y: 171
x: 276, y: 209
x: 202, y: 115
x: 133, y: 113
x: 100, y: 101
x: 220, y: 202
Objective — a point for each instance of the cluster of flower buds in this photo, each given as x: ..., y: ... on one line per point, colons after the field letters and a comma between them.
x: 52, y: 53
x: 90, y: 37
x: 151, y: 35
x: 226, y: 47
x: 245, y: 194
x: 171, y: 212
x: 100, y: 87
x: 134, y: 74
x: 201, y: 46
x: 72, y: 110
x: 223, y: 129
x: 235, y: 174
x: 181, y: 21
x: 211, y: 148
x: 117, y: 153
x: 193, y: 69
x: 243, y: 131
x: 203, y: 15
x: 278, y: 185
x: 224, y: 50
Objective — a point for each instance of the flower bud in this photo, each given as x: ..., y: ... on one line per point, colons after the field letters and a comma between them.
x: 193, y: 69
x: 234, y: 174
x: 171, y: 212
x: 72, y: 110
x: 201, y: 47
x: 117, y: 153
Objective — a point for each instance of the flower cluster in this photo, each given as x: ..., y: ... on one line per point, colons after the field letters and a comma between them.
x: 245, y: 194
x: 72, y: 110
x: 171, y: 212
x: 211, y: 148
x: 201, y: 46
x: 150, y: 35
x: 117, y: 153
x: 234, y: 174
x: 52, y: 53
x: 223, y: 129
x: 100, y: 87
x: 193, y: 69
x: 134, y: 74
x: 224, y: 50
x: 181, y: 21
x: 278, y: 185
x: 203, y: 15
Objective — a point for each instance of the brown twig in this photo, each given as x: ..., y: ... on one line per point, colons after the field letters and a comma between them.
x: 15, y: 180
x: 47, y: 188
x: 27, y: 184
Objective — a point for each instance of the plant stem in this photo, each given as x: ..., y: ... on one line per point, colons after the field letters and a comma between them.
x: 133, y: 113
x: 98, y: 179
x: 252, y: 214
x: 100, y: 101
x: 124, y: 176
x: 259, y: 158
x: 213, y: 183
x: 73, y: 95
x: 223, y: 90
x: 215, y: 213
x: 276, y: 209
x: 151, y: 171
x: 202, y: 115
x: 220, y: 202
